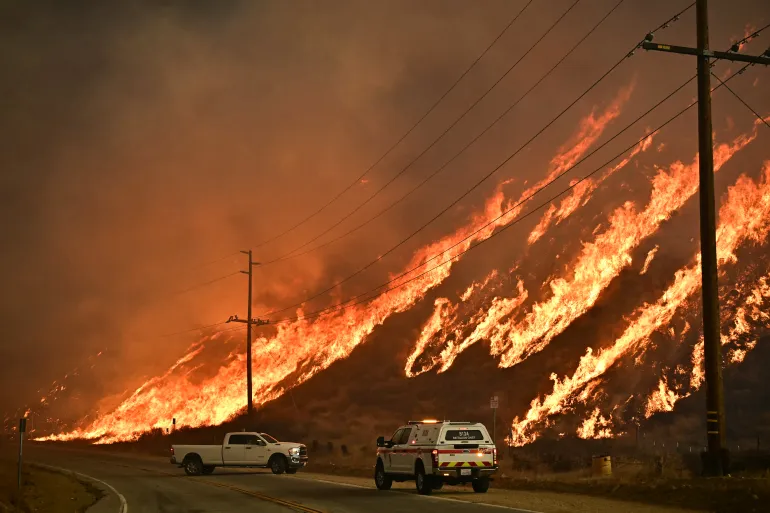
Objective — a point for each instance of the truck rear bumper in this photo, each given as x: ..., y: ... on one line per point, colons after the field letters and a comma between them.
x: 455, y: 475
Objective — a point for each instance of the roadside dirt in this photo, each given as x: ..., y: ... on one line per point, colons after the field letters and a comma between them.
x: 43, y: 490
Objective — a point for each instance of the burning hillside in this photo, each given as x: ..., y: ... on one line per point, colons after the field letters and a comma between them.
x: 516, y: 321
x: 532, y: 263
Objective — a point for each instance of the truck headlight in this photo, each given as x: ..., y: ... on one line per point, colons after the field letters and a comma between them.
x: 294, y: 451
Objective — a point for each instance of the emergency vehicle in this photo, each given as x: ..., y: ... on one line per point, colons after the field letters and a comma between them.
x: 433, y: 452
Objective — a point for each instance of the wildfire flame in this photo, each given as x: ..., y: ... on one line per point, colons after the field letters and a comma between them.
x: 301, y: 349
x: 744, y: 217
x: 663, y: 399
x: 580, y: 194
x: 595, y: 426
x: 647, y: 261
x: 597, y: 265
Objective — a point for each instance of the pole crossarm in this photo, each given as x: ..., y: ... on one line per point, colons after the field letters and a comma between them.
x: 727, y: 56
x: 254, y: 321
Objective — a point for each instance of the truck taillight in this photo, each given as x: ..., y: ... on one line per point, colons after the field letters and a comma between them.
x: 434, y: 458
x: 172, y: 450
x: 494, y: 456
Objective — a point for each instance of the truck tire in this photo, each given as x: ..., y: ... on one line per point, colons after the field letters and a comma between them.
x: 423, y: 482
x: 193, y: 466
x: 208, y: 469
x: 278, y: 464
x: 481, y: 485
x: 381, y: 480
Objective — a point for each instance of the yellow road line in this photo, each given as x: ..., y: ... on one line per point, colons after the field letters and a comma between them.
x: 257, y: 495
x: 292, y: 505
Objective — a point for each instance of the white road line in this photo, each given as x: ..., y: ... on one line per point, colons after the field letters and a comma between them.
x: 337, y: 483
x: 123, y: 503
x: 517, y: 510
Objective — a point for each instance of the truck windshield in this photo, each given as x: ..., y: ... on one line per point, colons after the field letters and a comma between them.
x: 269, y: 439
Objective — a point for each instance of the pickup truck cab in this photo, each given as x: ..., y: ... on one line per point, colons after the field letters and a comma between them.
x: 242, y: 449
x: 433, y: 453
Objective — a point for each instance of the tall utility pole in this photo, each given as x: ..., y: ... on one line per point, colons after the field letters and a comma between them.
x: 249, y: 321
x: 716, y: 459
x: 712, y: 346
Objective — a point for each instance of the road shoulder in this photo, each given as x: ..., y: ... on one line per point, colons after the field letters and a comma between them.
x: 107, y: 498
x: 535, y: 501
x: 46, y: 490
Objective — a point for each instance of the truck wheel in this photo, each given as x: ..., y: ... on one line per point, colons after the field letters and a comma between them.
x: 208, y: 469
x: 193, y: 466
x: 481, y: 485
x: 424, y: 483
x: 381, y: 479
x: 278, y: 464
x: 291, y: 470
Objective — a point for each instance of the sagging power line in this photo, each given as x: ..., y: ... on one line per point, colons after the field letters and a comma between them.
x: 454, y: 157
x: 379, y: 290
x: 403, y: 137
x: 435, y: 141
x: 486, y: 177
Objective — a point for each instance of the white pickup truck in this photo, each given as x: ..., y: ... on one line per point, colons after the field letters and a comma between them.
x: 241, y: 449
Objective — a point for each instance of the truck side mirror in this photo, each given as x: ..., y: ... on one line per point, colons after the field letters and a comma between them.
x: 380, y: 441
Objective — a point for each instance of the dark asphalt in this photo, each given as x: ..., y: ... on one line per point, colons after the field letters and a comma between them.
x: 155, y: 486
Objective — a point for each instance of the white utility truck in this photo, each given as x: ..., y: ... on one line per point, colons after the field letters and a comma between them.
x: 432, y: 453
x: 241, y: 449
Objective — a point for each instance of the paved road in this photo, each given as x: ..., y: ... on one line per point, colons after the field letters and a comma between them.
x: 155, y: 486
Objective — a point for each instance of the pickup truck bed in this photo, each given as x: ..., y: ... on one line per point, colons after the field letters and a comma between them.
x: 241, y: 450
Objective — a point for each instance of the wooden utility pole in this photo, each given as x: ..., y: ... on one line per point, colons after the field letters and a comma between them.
x: 249, y: 323
x: 712, y: 347
x: 716, y: 459
x: 22, y: 429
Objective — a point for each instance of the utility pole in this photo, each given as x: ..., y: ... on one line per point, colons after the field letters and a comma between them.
x: 716, y: 458
x: 22, y: 429
x: 249, y: 321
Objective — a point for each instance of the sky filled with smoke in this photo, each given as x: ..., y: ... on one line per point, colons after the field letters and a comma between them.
x: 140, y: 139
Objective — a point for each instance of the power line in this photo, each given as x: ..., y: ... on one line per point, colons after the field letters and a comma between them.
x: 202, y: 284
x: 539, y: 189
x: 736, y: 46
x: 478, y: 183
x: 401, y: 139
x: 456, y: 155
x: 192, y: 329
x: 206, y: 264
x: 343, y: 305
x: 759, y: 117
x: 432, y: 144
